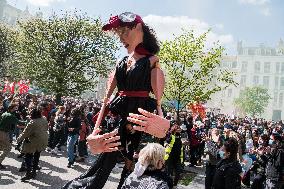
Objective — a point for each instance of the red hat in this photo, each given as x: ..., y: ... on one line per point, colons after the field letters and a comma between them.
x: 124, y: 19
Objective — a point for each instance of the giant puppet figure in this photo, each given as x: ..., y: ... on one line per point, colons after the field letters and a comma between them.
x: 135, y: 77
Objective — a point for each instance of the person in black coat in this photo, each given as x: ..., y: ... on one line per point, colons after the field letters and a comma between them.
x: 73, y: 134
x: 228, y: 170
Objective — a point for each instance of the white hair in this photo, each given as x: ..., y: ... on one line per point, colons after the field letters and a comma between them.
x: 151, y: 154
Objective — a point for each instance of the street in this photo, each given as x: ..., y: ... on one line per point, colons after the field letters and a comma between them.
x: 54, y: 173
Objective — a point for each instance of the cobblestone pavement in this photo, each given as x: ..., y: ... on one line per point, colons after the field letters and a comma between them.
x: 54, y: 173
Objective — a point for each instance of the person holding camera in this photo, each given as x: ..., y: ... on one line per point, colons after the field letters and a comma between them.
x: 213, y: 145
x: 275, y: 163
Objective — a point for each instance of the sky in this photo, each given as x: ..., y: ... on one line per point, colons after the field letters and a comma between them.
x: 252, y: 21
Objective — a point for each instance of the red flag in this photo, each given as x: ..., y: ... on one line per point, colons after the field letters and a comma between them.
x: 24, y: 86
x: 6, y: 87
x: 12, y: 87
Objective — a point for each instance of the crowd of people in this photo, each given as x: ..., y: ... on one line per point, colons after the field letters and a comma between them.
x: 37, y: 124
x: 241, y: 151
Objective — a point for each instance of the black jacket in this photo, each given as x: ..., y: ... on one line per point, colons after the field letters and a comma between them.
x: 76, y: 124
x: 227, y: 175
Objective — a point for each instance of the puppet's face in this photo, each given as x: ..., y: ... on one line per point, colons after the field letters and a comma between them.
x: 128, y: 37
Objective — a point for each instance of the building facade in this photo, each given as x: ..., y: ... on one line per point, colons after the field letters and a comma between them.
x: 10, y: 14
x: 255, y: 66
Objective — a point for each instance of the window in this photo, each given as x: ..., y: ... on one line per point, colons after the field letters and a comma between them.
x: 225, y: 64
x: 234, y: 64
x: 255, y: 80
x: 282, y: 67
x: 281, y: 99
x: 276, y: 82
x: 277, y: 68
x: 257, y: 67
x: 266, y: 67
x: 243, y: 80
x: 275, y: 98
x: 266, y: 81
x: 229, y: 92
x: 251, y: 52
x: 245, y: 51
x: 282, y: 83
x: 244, y: 66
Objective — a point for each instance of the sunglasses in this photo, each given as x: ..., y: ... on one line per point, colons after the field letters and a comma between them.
x: 127, y: 17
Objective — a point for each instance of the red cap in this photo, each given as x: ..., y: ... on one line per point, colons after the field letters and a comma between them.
x: 123, y: 19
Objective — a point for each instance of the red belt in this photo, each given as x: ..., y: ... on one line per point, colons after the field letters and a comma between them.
x: 134, y: 93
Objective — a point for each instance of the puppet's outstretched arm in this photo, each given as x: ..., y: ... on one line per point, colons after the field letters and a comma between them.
x: 110, y: 88
x: 157, y: 82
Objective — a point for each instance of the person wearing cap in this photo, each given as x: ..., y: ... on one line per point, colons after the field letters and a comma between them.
x: 135, y: 76
x: 227, y: 129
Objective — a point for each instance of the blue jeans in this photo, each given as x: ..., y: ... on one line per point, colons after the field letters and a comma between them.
x: 72, y: 139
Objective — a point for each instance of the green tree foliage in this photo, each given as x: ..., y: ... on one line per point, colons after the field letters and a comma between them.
x: 193, y: 73
x: 253, y: 101
x: 7, y: 46
x: 63, y: 54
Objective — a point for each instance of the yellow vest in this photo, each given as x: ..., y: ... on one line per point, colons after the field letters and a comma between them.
x: 169, y: 149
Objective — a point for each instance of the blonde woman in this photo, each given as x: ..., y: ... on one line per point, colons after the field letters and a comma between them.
x: 148, y: 172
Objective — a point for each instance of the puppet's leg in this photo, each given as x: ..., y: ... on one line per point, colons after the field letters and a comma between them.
x: 131, y: 145
x: 97, y: 175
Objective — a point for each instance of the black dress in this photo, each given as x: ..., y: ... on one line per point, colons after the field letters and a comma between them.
x: 137, y: 78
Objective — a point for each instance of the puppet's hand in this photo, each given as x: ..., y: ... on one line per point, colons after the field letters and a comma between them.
x: 103, y: 143
x: 150, y: 123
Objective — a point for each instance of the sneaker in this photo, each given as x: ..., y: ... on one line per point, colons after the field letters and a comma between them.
x: 70, y: 164
x: 2, y: 166
x: 27, y: 176
x: 79, y: 159
x: 54, y: 151
x: 21, y: 155
x: 48, y: 149
x: 38, y: 168
x: 22, y: 169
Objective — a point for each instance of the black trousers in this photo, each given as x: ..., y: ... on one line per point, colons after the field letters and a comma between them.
x: 194, y: 154
x: 82, y: 148
x: 97, y: 175
x: 58, y: 139
x: 31, y: 160
x: 174, y: 168
x: 258, y: 181
x: 209, y: 172
x: 50, y: 138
